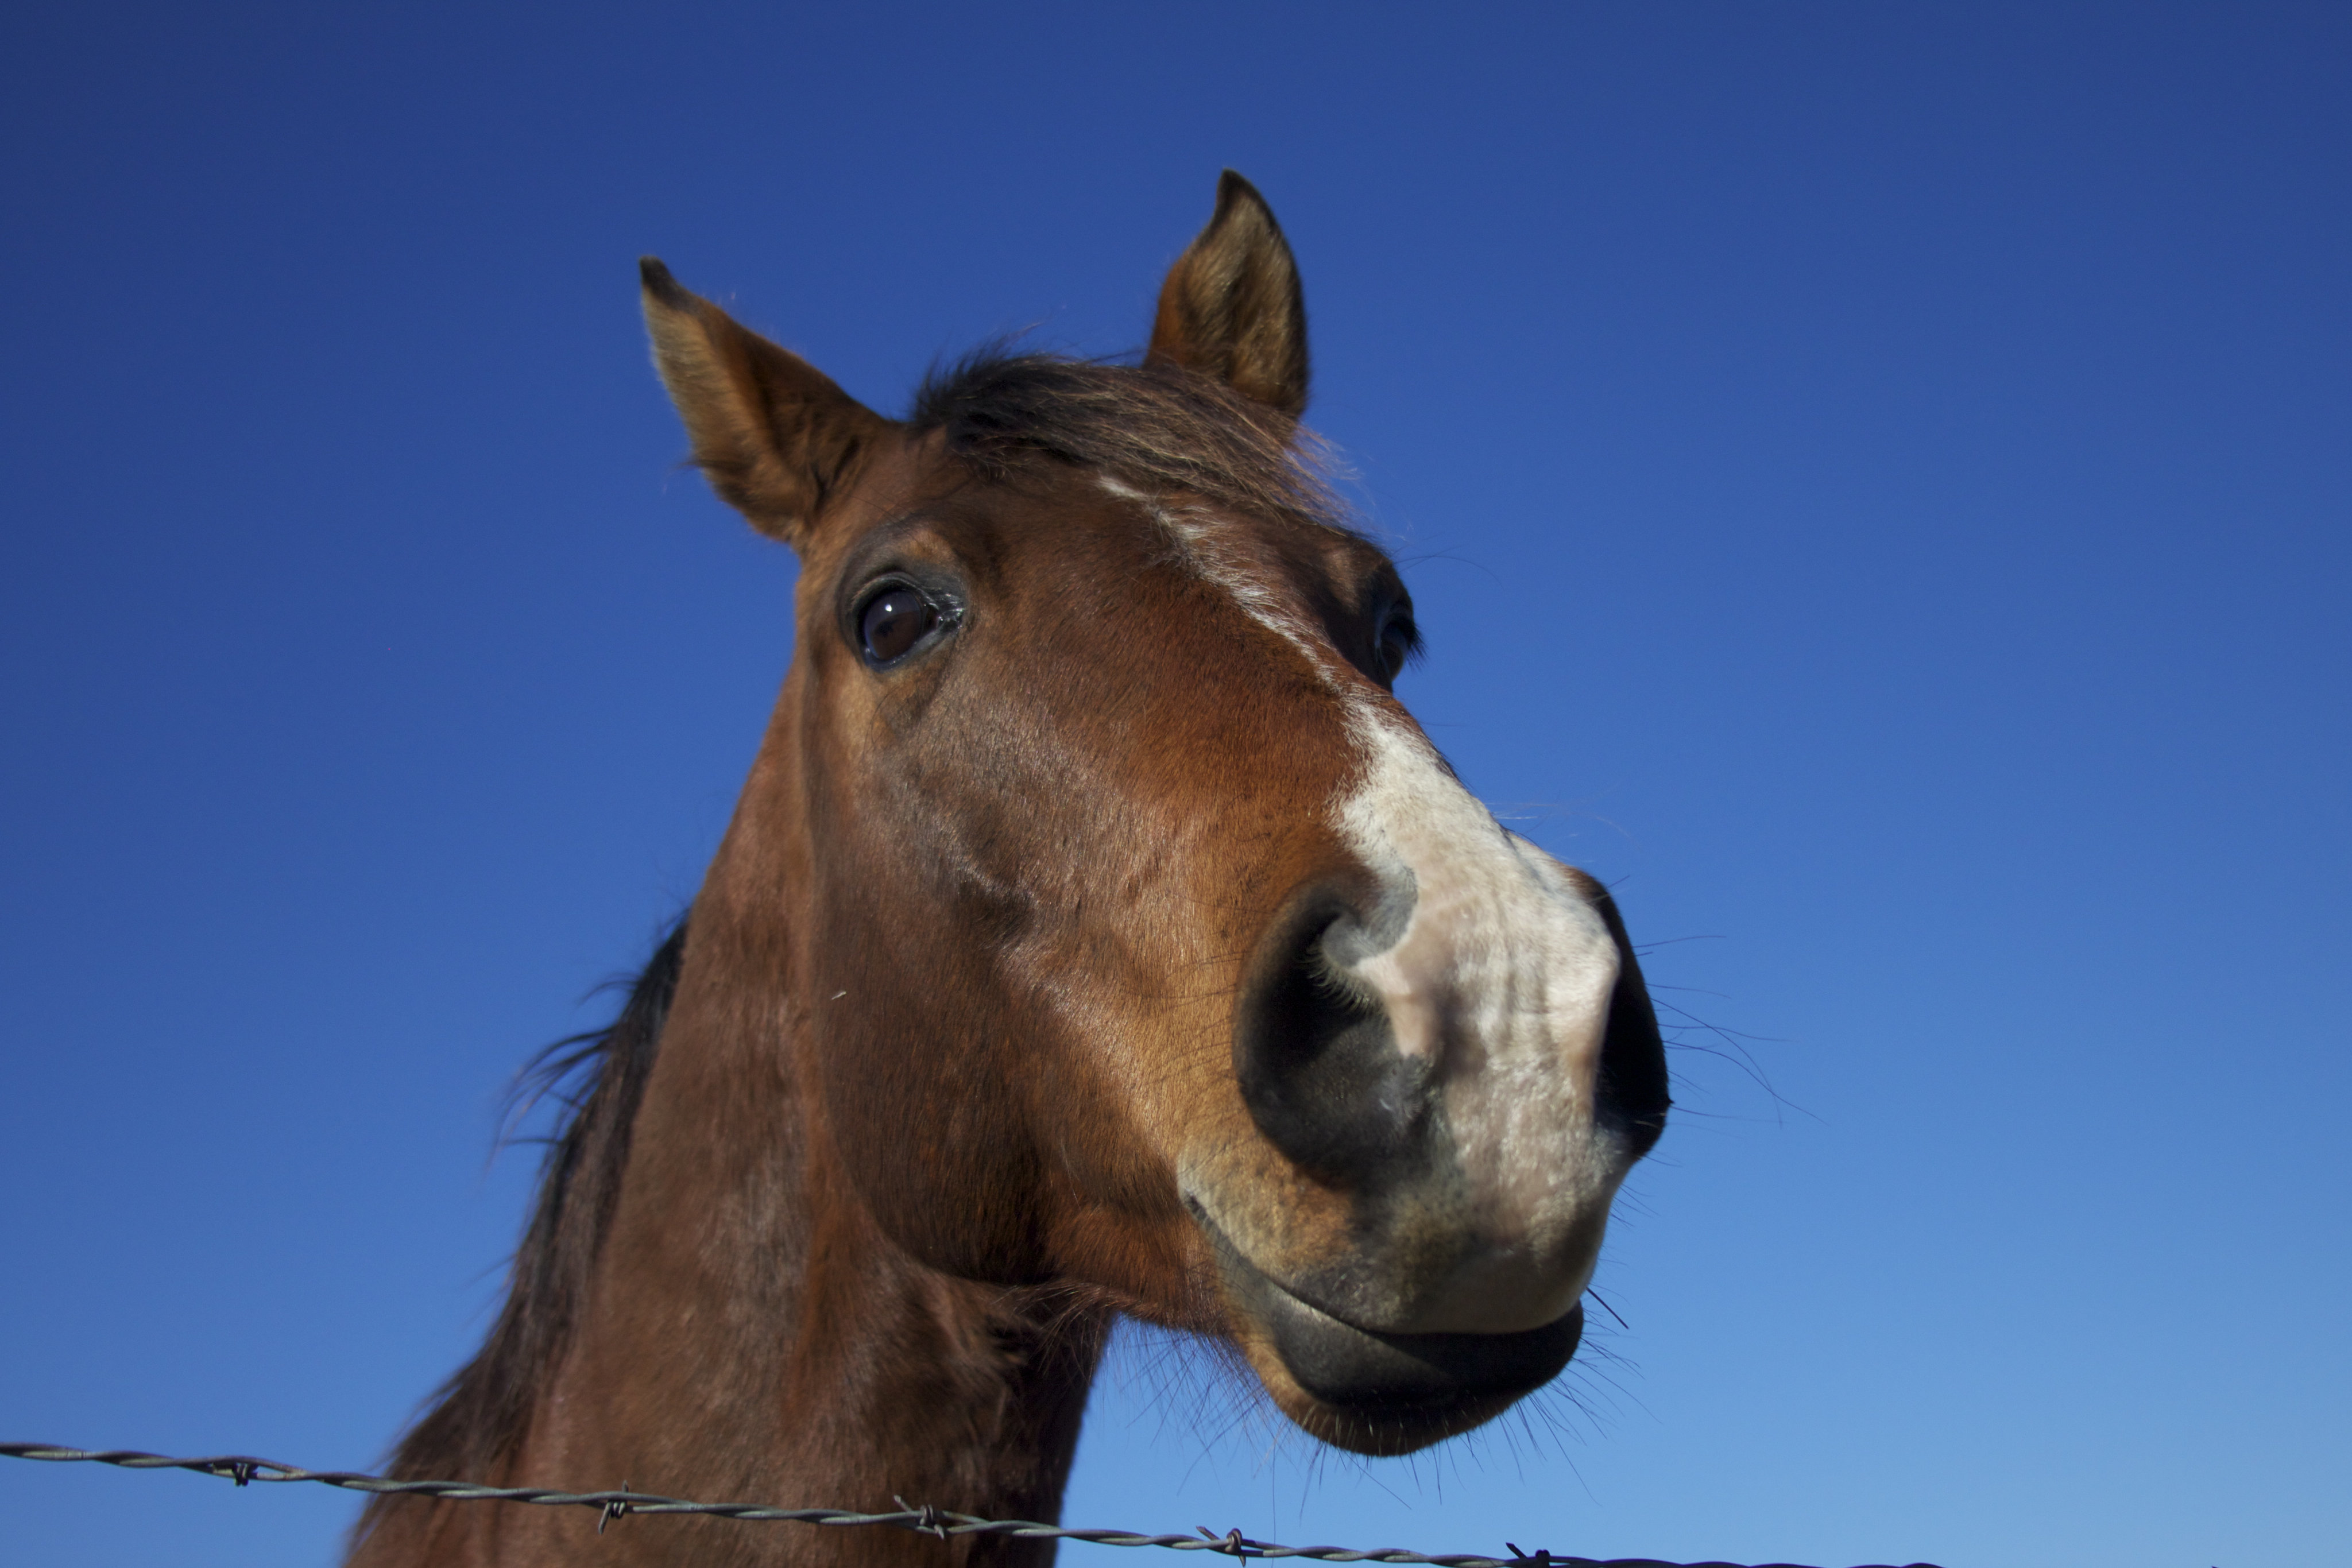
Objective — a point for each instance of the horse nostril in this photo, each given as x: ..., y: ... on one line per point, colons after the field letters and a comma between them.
x: 1315, y: 1057
x: 1632, y: 1091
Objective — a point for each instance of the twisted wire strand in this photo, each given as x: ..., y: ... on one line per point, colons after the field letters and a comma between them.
x: 244, y: 1469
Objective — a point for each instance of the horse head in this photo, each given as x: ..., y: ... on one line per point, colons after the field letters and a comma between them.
x: 1128, y: 933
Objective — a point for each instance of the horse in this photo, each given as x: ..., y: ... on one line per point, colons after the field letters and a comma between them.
x: 1095, y: 935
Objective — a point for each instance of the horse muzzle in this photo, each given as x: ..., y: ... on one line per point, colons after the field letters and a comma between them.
x: 1436, y: 1069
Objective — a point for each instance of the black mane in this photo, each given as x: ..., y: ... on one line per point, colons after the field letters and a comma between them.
x: 478, y: 1416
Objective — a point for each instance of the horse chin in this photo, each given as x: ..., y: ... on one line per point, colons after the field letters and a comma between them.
x: 1375, y: 1393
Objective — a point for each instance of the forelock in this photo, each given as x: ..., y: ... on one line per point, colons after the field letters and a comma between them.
x: 1155, y: 427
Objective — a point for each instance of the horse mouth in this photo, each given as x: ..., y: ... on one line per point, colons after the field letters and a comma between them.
x: 1373, y: 1391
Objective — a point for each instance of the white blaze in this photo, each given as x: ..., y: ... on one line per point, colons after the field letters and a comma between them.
x: 1502, y: 976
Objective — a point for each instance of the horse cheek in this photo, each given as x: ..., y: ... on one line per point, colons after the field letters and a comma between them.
x: 925, y: 1117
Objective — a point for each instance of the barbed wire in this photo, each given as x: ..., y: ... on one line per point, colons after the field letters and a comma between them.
x: 244, y: 1469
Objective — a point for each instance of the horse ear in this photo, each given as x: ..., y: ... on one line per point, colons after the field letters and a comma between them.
x: 774, y: 435
x: 1232, y: 308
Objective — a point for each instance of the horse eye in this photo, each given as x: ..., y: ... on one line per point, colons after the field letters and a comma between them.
x: 894, y: 622
x: 1397, y: 640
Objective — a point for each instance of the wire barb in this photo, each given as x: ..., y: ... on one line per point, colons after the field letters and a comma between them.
x: 926, y: 1520
x: 926, y: 1517
x: 615, y: 1508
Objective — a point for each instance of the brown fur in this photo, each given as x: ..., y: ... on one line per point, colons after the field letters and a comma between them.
x: 955, y: 1000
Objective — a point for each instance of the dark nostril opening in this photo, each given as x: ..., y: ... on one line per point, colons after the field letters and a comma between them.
x: 1316, y: 1061
x: 1632, y: 1094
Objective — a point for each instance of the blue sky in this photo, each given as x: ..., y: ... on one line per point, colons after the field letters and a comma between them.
x: 1876, y: 479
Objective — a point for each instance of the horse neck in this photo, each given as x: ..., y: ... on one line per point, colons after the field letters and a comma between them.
x: 751, y: 1335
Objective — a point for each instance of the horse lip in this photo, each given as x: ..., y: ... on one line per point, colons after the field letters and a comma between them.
x: 1343, y: 1365
x: 1232, y: 1260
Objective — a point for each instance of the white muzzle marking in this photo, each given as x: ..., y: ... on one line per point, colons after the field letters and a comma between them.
x: 1502, y: 978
